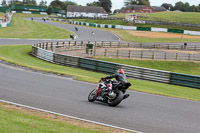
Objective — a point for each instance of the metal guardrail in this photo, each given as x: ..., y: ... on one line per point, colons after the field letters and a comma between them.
x: 100, y: 66
x: 42, y: 51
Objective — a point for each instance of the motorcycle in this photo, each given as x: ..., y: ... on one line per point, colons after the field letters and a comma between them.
x: 109, y: 92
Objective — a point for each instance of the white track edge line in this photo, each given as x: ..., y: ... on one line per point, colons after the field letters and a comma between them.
x: 73, y: 117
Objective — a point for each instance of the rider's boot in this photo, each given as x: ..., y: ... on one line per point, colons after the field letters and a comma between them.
x: 126, y: 96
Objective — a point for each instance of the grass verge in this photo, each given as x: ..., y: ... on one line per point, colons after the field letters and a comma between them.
x: 191, y: 68
x: 126, y: 36
x: 22, y: 120
x: 181, y: 17
x: 21, y: 28
x: 19, y: 54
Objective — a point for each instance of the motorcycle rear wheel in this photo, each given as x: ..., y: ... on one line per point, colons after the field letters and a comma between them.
x: 91, y: 96
x: 117, y: 100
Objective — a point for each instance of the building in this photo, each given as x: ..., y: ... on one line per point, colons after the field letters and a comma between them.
x: 141, y: 9
x: 86, y: 11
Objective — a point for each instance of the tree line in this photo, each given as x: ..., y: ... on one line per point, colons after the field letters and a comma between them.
x: 184, y: 7
x: 24, y: 3
x: 61, y: 5
x: 106, y: 4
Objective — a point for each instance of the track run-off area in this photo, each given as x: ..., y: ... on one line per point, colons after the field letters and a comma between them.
x: 141, y: 112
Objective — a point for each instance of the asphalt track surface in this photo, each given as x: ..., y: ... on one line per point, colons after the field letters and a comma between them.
x: 141, y: 112
x: 83, y: 34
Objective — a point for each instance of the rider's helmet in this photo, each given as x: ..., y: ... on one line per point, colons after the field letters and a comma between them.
x: 120, y: 71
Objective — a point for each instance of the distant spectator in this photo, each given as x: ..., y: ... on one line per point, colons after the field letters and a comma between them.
x: 32, y: 19
x: 76, y: 28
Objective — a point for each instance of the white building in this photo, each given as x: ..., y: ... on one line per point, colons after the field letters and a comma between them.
x: 86, y: 11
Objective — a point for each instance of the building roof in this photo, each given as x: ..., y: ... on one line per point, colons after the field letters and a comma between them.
x: 158, y: 8
x: 138, y: 7
x: 134, y: 7
x: 89, y: 9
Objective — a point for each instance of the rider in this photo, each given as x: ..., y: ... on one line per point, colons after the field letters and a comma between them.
x: 120, y: 77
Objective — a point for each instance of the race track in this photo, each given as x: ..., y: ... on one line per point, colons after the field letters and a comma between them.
x: 141, y: 112
x: 83, y: 34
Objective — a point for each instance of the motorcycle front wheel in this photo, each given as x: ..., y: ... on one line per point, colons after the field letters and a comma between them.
x: 117, y: 100
x: 91, y: 96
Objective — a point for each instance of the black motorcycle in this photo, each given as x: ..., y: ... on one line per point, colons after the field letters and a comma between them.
x: 109, y: 92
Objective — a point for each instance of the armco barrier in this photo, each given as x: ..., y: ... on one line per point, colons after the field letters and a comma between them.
x: 100, y: 66
x: 185, y: 80
x: 42, y: 51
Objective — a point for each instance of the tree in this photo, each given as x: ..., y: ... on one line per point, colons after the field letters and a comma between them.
x: 49, y: 9
x: 131, y: 2
x: 3, y: 3
x: 168, y: 6
x: 144, y: 2
x: 43, y: 3
x: 179, y: 6
x: 106, y: 4
x: 66, y: 3
x: 187, y: 7
x: 116, y: 10
x: 93, y: 4
x: 57, y: 4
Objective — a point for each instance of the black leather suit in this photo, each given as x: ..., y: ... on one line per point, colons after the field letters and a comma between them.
x: 120, y: 77
x: 120, y: 80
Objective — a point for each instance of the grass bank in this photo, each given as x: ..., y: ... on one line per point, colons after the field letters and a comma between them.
x: 180, y: 17
x: 21, y: 28
x: 19, y: 54
x: 126, y: 36
x: 20, y: 120
x: 191, y: 68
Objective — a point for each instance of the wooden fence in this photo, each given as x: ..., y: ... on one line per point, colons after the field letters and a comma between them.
x: 110, y: 44
x: 147, y: 54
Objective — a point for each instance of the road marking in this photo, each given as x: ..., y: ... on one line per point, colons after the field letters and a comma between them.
x: 73, y: 117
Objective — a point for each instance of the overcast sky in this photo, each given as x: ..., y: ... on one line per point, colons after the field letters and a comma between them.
x: 117, y: 4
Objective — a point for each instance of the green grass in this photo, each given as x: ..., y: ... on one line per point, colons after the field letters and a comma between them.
x: 21, y: 28
x: 15, y: 121
x: 182, y: 17
x: 191, y: 68
x: 125, y: 36
x: 19, y: 54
